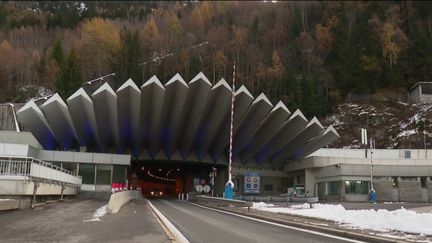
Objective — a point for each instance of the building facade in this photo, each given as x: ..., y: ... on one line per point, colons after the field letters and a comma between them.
x: 421, y: 92
x: 345, y: 174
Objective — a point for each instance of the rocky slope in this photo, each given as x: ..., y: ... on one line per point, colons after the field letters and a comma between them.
x: 392, y: 125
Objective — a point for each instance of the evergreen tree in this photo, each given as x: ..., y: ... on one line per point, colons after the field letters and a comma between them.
x: 57, y: 52
x: 127, y: 59
x: 69, y: 78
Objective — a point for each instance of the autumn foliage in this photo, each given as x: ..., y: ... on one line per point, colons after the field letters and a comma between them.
x: 312, y: 55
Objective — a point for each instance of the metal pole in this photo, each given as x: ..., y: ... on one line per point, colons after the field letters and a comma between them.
x: 229, y: 186
x: 372, y: 146
x: 14, y: 116
x: 424, y: 140
x: 231, y: 128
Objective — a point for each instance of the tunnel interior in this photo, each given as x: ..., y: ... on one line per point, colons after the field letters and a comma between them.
x: 169, y: 178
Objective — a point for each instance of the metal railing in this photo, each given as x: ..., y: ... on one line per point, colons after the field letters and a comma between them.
x: 34, y: 168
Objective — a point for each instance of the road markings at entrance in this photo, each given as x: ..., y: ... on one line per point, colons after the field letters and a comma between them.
x: 164, y: 228
x: 280, y: 225
x: 174, y: 231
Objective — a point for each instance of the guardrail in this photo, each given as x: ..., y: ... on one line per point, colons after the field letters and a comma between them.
x: 31, y: 167
x: 220, y: 201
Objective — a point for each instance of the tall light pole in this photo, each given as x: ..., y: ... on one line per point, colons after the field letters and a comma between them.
x: 17, y: 128
x: 229, y: 186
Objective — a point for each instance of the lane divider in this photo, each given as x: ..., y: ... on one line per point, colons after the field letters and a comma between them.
x: 164, y: 228
x: 280, y: 225
x: 179, y: 237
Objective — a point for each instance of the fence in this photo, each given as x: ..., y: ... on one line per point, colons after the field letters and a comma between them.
x: 34, y: 168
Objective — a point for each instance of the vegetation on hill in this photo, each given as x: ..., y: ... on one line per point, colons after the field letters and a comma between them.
x: 311, y: 55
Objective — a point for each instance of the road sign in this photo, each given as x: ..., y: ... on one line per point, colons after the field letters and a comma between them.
x: 252, y: 183
x: 207, y: 188
x: 199, y: 188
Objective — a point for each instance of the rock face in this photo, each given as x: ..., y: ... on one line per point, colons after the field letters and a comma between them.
x: 392, y: 125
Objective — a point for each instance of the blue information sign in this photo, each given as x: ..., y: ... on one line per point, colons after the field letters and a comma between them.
x: 251, y: 183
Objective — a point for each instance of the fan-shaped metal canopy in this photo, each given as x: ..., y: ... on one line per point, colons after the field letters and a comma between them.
x: 176, y: 121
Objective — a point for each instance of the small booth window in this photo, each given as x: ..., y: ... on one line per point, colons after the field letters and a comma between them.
x: 103, y: 175
x: 87, y: 171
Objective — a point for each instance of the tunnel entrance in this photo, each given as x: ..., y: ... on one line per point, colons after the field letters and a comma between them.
x: 166, y: 179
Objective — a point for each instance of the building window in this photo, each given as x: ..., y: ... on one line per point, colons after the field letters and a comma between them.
x: 72, y: 167
x: 268, y: 187
x: 423, y: 181
x: 395, y: 181
x: 409, y: 178
x: 407, y: 154
x: 333, y: 188
x: 103, y: 175
x: 356, y: 187
x: 87, y: 171
x: 119, y: 174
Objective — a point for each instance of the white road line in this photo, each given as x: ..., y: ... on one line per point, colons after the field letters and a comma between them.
x: 281, y: 225
x: 174, y: 231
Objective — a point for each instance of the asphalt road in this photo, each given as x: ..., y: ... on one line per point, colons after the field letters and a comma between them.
x: 202, y: 225
x: 69, y: 222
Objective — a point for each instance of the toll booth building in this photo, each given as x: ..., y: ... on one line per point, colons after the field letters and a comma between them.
x: 169, y: 137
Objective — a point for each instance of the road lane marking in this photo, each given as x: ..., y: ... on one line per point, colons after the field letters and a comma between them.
x: 174, y: 231
x: 280, y: 225
x: 164, y: 228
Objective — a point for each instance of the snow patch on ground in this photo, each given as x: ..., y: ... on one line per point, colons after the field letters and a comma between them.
x: 100, y: 212
x: 379, y: 220
x: 261, y: 205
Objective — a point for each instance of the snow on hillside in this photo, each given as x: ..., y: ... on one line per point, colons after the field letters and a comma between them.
x: 392, y: 125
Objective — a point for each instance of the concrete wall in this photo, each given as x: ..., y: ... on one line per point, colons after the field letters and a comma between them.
x: 83, y: 157
x: 310, y: 186
x: 9, y: 149
x: 429, y: 187
x: 414, y: 95
x: 118, y: 199
x: 18, y: 186
x: 425, y: 98
x: 356, y: 197
x: 410, y: 191
x: 376, y: 153
x: 384, y: 190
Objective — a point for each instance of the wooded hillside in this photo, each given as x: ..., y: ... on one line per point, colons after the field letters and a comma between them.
x: 309, y: 54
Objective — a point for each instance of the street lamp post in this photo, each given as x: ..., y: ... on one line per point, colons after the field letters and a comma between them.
x: 17, y: 128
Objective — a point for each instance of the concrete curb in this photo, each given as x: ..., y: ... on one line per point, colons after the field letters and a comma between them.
x: 179, y: 237
x: 331, y: 231
x: 118, y: 199
x: 9, y: 204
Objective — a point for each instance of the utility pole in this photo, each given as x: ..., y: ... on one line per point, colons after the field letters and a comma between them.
x: 372, y: 147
